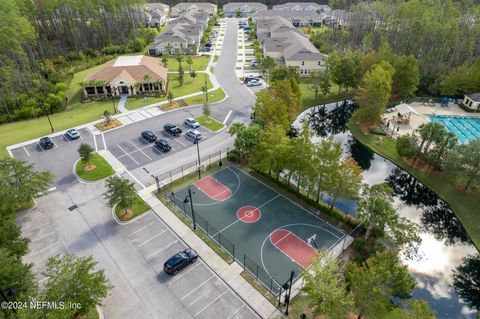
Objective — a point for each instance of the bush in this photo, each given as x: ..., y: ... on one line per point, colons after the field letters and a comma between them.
x: 405, y: 146
x: 233, y: 156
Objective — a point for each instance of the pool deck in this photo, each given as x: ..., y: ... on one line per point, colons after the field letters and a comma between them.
x: 424, y: 110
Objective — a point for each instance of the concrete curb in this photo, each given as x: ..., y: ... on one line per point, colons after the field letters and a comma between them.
x: 100, y: 312
x: 83, y: 181
x: 120, y: 222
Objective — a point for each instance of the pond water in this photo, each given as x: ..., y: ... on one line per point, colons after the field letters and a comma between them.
x: 444, y: 241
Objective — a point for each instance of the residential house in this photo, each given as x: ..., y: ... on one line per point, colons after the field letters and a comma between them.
x: 193, y: 7
x: 182, y: 35
x: 156, y: 14
x: 242, y: 9
x: 472, y: 101
x: 297, y: 18
x: 287, y: 45
x: 302, y: 6
x: 135, y: 74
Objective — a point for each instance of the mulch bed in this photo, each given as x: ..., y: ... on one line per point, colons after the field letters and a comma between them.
x: 420, y: 165
x: 105, y: 126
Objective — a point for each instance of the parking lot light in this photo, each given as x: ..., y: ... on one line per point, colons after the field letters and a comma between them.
x: 187, y: 199
x: 197, y: 141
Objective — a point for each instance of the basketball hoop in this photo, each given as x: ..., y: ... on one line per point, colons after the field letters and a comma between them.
x: 311, y: 240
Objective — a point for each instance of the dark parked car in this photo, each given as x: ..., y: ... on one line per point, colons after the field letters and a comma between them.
x: 46, y: 143
x: 149, y: 136
x: 162, y: 144
x: 172, y: 129
x: 179, y: 261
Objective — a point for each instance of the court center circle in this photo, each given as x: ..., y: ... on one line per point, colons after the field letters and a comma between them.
x: 248, y: 214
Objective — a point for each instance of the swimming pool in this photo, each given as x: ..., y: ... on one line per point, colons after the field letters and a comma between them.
x: 464, y: 127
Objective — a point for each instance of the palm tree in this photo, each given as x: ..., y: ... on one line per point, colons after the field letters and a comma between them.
x: 165, y: 61
x: 169, y: 48
x: 146, y: 78
x: 179, y: 58
x: 189, y: 61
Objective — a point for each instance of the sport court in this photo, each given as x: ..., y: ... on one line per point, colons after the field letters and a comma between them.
x: 268, y: 231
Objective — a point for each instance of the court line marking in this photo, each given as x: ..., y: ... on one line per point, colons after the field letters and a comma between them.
x: 213, y: 197
x: 128, y: 172
x: 140, y: 229
x: 140, y: 150
x: 240, y: 219
x: 288, y: 199
x: 128, y: 154
x: 210, y: 303
x: 156, y: 252
x: 26, y: 151
x: 184, y: 273
x: 290, y: 233
x: 195, y: 289
x: 152, y: 238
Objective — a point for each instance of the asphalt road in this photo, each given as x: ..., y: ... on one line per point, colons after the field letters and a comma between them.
x: 140, y: 157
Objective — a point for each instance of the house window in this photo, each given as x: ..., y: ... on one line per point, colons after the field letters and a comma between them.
x: 90, y: 90
x: 303, y: 62
x: 319, y: 63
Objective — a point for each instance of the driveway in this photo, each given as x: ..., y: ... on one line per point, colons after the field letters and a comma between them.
x: 132, y: 256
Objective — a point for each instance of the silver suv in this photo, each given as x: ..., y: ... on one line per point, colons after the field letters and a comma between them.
x: 194, y: 135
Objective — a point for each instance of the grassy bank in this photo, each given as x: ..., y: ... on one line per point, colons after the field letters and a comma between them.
x: 213, y: 96
x: 465, y: 205
x: 199, y: 63
x: 210, y: 123
x: 139, y: 207
x: 308, y: 95
x: 102, y: 169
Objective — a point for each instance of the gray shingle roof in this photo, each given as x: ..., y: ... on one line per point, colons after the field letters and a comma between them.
x: 238, y: 5
x: 474, y: 97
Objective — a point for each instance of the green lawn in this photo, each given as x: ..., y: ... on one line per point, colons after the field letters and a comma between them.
x: 16, y: 132
x: 74, y: 92
x: 199, y: 63
x: 308, y: 95
x: 210, y: 123
x: 102, y: 170
x: 213, y: 96
x: 464, y: 204
x: 190, y: 85
x: 139, y: 207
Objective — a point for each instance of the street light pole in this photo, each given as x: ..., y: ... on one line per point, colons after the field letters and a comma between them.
x: 197, y: 141
x: 48, y: 117
x: 206, y: 89
x: 191, y: 206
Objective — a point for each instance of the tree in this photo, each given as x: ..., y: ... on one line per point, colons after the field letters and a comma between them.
x: 11, y: 236
x: 107, y: 116
x: 288, y: 92
x: 325, y: 82
x: 179, y: 57
x: 283, y: 72
x: 466, y: 280
x: 120, y: 192
x: 165, y: 61
x: 407, y: 75
x: 299, y: 162
x: 326, y: 289
x: 267, y: 64
x: 181, y: 74
x: 271, y: 109
x: 346, y: 181
x: 193, y: 74
x: 189, y: 61
x: 327, y: 162
x: 344, y: 69
x: 23, y: 182
x: 170, y: 96
x: 373, y: 94
x: 315, y: 82
x: 428, y: 133
x: 74, y: 280
x: 405, y: 146
x: 413, y: 309
x: 85, y: 152
x: 464, y: 162
x: 246, y: 139
x: 376, y: 282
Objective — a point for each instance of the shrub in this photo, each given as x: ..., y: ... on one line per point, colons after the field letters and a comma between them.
x: 377, y: 131
x: 233, y: 156
x: 405, y: 146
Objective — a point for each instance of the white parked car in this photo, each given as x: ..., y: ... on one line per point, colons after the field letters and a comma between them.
x: 73, y: 134
x: 190, y: 122
x: 194, y: 135
x: 254, y: 82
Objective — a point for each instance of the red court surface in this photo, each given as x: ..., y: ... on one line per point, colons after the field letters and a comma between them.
x: 292, y: 246
x: 248, y: 214
x: 213, y: 189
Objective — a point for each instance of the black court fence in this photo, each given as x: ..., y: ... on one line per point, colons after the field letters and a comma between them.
x: 256, y: 271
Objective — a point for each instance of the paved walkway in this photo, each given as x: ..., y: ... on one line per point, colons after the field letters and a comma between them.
x: 121, y: 104
x: 229, y: 273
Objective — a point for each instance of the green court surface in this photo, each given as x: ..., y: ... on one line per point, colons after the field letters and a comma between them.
x: 263, y: 230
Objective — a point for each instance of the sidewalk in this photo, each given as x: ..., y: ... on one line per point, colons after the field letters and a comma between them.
x: 229, y: 273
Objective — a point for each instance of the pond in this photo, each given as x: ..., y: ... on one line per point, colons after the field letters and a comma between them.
x: 444, y: 241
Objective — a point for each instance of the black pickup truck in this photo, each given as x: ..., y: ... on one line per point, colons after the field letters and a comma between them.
x: 172, y: 129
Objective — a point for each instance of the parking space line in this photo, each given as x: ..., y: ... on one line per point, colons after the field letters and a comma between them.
x: 200, y: 296
x: 37, y: 226
x: 42, y: 237
x: 236, y: 311
x: 38, y: 144
x: 152, y: 238
x: 210, y: 303
x: 142, y: 228
x: 43, y: 249
x: 183, y: 274
x: 156, y: 252
x: 128, y: 172
x: 54, y: 143
x: 140, y: 150
x: 128, y: 154
x: 192, y: 291
x: 66, y: 139
x: 104, y: 143
x: 94, y: 141
x: 28, y: 154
